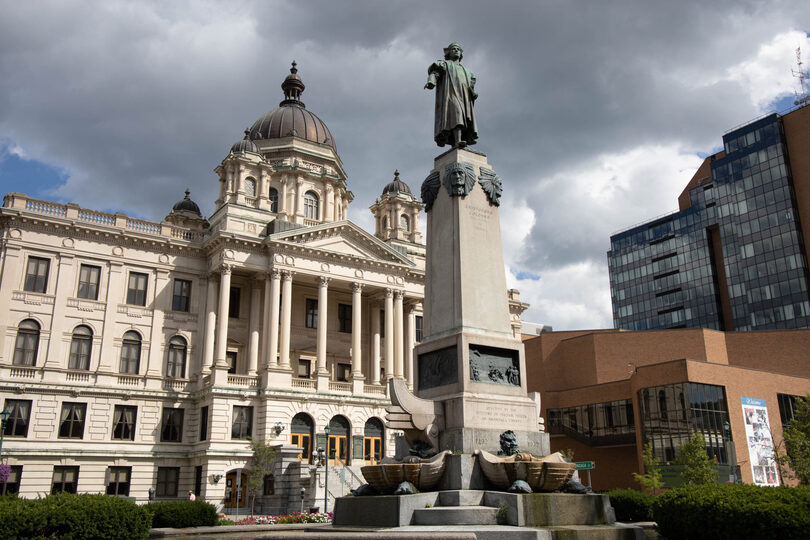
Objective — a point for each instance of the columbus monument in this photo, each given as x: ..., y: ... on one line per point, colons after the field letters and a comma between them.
x: 470, y: 383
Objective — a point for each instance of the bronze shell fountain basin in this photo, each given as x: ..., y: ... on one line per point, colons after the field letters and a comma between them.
x: 548, y: 473
x: 422, y: 473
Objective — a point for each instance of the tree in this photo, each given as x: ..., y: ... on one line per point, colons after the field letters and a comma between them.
x: 797, y: 440
x: 261, y: 465
x: 651, y: 480
x: 698, y: 467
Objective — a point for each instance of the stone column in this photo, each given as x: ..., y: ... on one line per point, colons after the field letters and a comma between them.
x: 389, y: 333
x: 115, y: 295
x: 323, y: 283
x: 299, y: 198
x: 329, y: 203
x: 156, y: 358
x: 375, y: 345
x: 272, y: 292
x: 210, y: 324
x: 410, y: 339
x: 63, y: 274
x: 222, y: 317
x: 253, y: 345
x: 398, y: 335
x: 357, y: 331
x: 286, y: 312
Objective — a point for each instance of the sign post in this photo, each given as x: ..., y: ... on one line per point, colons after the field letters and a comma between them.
x: 586, y: 466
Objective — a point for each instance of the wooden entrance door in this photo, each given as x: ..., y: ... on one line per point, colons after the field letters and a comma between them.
x: 372, y: 450
x: 303, y: 441
x: 337, y: 449
x: 233, y: 498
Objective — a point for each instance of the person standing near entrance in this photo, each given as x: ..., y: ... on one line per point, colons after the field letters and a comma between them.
x: 191, y: 496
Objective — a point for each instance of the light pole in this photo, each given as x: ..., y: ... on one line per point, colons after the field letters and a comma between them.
x: 326, y: 481
x: 3, y: 419
x: 302, y: 499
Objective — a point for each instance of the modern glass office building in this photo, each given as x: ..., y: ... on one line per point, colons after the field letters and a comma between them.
x: 734, y: 256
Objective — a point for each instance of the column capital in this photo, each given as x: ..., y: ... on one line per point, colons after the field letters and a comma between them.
x: 287, y: 275
x: 225, y: 268
x: 323, y: 281
x: 273, y: 273
x: 389, y: 293
x: 398, y: 294
x: 357, y: 287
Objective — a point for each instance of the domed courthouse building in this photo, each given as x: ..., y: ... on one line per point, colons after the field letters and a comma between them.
x: 138, y: 358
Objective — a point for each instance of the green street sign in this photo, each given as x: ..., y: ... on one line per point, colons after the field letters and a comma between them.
x: 585, y: 465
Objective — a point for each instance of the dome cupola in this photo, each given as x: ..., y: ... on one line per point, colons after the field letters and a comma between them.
x: 396, y: 186
x: 245, y: 145
x: 291, y: 118
x: 187, y: 205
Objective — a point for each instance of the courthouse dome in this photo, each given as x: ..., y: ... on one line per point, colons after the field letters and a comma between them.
x: 396, y: 186
x: 245, y: 145
x: 187, y: 205
x: 291, y: 118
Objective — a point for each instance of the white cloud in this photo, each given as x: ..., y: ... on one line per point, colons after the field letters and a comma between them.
x: 768, y: 75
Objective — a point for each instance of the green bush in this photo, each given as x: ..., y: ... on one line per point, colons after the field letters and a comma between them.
x: 631, y: 505
x: 733, y: 511
x: 179, y: 514
x: 73, y: 517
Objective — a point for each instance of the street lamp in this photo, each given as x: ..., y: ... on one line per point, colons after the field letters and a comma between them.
x: 3, y: 419
x: 326, y: 481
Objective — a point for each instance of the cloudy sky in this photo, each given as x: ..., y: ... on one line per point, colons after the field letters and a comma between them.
x: 595, y: 114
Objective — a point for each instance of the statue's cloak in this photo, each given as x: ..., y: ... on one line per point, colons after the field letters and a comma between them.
x: 455, y: 94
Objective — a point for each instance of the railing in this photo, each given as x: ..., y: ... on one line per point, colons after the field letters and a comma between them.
x: 148, y: 227
x: 311, y: 222
x: 22, y: 373
x: 128, y: 381
x: 243, y: 380
x: 73, y: 376
x: 376, y: 389
x: 177, y: 385
x: 303, y: 384
x: 186, y: 235
x: 336, y: 386
x: 45, y: 207
x: 102, y: 218
x: 252, y: 202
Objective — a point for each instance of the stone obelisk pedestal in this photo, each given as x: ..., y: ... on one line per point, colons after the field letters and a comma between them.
x: 469, y: 359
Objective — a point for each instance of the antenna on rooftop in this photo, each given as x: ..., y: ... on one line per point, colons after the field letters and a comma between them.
x: 802, y: 97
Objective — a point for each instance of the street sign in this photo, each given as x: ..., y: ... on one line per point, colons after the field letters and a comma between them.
x: 585, y: 465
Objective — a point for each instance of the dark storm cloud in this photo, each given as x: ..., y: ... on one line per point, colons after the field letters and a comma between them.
x: 137, y: 101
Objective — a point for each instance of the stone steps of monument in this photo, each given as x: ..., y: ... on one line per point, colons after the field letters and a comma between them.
x: 455, y: 515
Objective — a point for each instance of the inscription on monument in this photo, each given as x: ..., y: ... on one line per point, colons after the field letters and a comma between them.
x: 495, y: 366
x: 481, y: 217
x: 438, y: 368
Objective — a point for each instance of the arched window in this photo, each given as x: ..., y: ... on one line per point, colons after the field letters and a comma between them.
x: 176, y: 364
x: 25, y: 348
x: 273, y: 197
x: 131, y: 353
x: 373, y: 437
x: 385, y: 223
x: 80, y: 345
x: 311, y: 209
x: 404, y: 223
x: 339, y: 430
x: 250, y: 187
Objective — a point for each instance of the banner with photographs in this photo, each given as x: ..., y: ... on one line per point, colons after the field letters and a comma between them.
x: 760, y: 443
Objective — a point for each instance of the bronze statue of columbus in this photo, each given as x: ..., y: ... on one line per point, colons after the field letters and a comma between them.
x: 454, y: 122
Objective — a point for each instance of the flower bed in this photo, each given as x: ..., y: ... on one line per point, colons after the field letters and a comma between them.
x: 295, y: 517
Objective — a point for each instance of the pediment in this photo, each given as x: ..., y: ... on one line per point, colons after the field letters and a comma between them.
x: 342, y: 238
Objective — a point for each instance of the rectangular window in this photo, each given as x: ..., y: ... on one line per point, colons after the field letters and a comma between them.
x: 233, y: 303
x: 181, y: 298
x: 304, y: 368
x: 242, y: 422
x: 12, y: 483
x: 17, y: 423
x: 230, y: 359
x: 312, y: 313
x: 419, y: 328
x: 88, y: 282
x: 343, y: 372
x: 172, y: 425
x: 269, y: 485
x: 65, y: 479
x: 36, y: 274
x: 124, y: 422
x: 204, y: 423
x: 118, y: 480
x: 167, y: 479
x: 198, y: 476
x: 344, y: 318
x: 71, y: 424
x: 136, y: 290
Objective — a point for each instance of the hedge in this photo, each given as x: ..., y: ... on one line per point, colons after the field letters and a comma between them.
x: 631, y: 505
x: 733, y: 511
x: 179, y: 514
x: 73, y: 517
